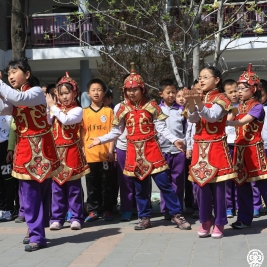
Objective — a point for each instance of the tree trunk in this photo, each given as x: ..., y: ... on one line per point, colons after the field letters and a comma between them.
x: 218, y: 36
x: 18, y: 29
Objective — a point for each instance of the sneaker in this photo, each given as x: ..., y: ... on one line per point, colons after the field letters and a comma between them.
x: 240, y: 225
x: 217, y: 231
x: 93, y: 216
x: 33, y: 247
x: 68, y: 216
x: 126, y: 216
x: 181, y: 222
x: 20, y: 219
x: 143, y: 224
x: 108, y: 216
x: 75, y: 226
x: 229, y: 213
x: 6, y: 216
x: 195, y: 214
x: 204, y: 229
x: 55, y: 226
x: 256, y: 214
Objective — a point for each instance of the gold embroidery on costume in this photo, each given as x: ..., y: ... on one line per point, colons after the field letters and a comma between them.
x: 37, y: 113
x: 203, y: 171
x: 130, y: 123
x: 66, y: 128
x: 249, y: 130
x: 39, y: 166
x: 240, y: 167
x: 21, y: 117
x: 144, y: 120
x: 67, y: 171
x: 143, y: 166
x: 261, y: 156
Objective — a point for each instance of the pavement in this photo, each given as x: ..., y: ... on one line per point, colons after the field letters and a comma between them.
x: 108, y: 244
x: 117, y: 244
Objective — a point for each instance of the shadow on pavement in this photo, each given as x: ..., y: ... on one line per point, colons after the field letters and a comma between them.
x: 83, y: 237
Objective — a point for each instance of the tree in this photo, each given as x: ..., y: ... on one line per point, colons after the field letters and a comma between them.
x: 183, y: 32
x: 18, y: 29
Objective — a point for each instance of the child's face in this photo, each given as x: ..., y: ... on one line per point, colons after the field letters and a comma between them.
x: 107, y: 101
x: 96, y: 93
x: 263, y: 96
x: 244, y: 92
x: 207, y: 81
x: 134, y: 94
x: 180, y: 100
x: 65, y: 96
x: 168, y: 95
x: 17, y: 77
x: 231, y: 92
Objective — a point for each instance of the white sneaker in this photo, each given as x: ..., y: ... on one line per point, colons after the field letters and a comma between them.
x: 55, y: 226
x: 6, y: 216
x: 1, y: 214
x: 75, y: 226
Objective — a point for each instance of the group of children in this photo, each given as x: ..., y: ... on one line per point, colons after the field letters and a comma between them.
x: 140, y: 140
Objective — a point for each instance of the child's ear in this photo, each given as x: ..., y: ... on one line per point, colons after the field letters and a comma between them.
x: 160, y: 94
x: 75, y: 94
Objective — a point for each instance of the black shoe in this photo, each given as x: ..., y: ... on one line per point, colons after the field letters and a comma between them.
x: 33, y: 247
x: 26, y: 241
x: 20, y: 219
x: 240, y: 225
x: 167, y: 216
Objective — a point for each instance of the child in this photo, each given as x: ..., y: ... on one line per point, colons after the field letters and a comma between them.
x: 107, y: 100
x: 7, y: 182
x: 142, y: 118
x: 176, y: 123
x: 211, y: 161
x: 97, y: 120
x: 230, y: 89
x: 66, y: 117
x: 249, y: 157
x: 35, y: 157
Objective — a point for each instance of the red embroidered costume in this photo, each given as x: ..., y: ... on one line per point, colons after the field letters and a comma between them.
x: 34, y: 157
x: 249, y: 155
x: 210, y: 136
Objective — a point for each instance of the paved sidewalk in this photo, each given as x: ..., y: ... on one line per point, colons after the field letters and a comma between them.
x: 117, y: 244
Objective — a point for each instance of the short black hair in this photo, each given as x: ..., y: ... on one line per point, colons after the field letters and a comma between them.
x: 109, y: 94
x: 228, y: 82
x: 45, y: 85
x: 166, y: 82
x: 50, y: 87
x: 99, y: 81
x: 264, y: 85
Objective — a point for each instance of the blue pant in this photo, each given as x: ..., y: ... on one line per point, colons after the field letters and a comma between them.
x: 165, y: 186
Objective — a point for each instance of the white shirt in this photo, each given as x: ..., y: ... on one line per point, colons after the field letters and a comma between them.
x: 5, y: 122
x: 32, y: 97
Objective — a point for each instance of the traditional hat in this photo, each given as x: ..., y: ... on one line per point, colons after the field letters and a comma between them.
x: 249, y: 77
x: 134, y: 80
x: 69, y: 80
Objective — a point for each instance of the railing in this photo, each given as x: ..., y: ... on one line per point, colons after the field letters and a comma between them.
x: 60, y: 30
x: 64, y: 29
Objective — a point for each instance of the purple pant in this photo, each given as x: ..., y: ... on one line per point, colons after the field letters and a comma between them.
x: 245, y: 200
x: 36, y: 201
x: 176, y: 173
x: 67, y: 197
x: 210, y: 196
x: 127, y: 188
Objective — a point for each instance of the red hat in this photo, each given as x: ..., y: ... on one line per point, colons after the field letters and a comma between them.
x: 249, y: 77
x: 133, y: 80
x: 69, y: 80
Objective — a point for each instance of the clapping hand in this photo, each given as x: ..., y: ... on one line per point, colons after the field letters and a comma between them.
x: 50, y: 101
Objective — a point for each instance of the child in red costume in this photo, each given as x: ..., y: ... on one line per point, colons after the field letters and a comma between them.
x: 249, y: 158
x: 35, y: 156
x: 211, y: 161
x: 143, y: 118
x: 66, y: 117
